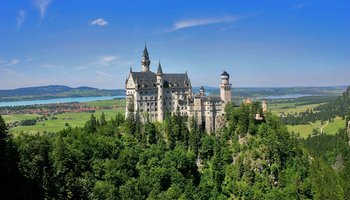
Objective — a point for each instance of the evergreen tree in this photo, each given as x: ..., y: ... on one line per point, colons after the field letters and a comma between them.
x: 91, y: 125
x: 103, y: 119
x: 194, y: 140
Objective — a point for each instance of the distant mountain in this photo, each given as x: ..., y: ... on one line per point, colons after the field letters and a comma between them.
x: 277, y: 91
x: 59, y: 91
x: 54, y: 91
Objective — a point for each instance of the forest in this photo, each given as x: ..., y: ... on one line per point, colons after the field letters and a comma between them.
x: 127, y: 159
x: 339, y: 107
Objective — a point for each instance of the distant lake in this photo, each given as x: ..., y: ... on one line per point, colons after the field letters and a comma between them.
x: 286, y: 96
x: 58, y: 100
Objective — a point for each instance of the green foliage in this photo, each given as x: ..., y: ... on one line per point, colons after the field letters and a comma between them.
x: 339, y: 107
x: 126, y: 159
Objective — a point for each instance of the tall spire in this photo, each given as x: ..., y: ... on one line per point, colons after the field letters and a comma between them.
x: 145, y: 53
x: 145, y: 60
x: 159, y: 70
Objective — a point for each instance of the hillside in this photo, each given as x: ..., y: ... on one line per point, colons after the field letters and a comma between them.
x: 240, y: 92
x: 59, y: 91
x: 54, y: 91
x: 126, y: 159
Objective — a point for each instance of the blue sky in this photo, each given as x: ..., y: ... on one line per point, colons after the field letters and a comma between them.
x: 266, y: 43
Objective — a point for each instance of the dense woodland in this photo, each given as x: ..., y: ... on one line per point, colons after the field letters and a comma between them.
x: 126, y: 159
x: 339, y: 107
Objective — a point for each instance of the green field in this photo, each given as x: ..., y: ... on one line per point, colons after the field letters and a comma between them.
x: 333, y: 127
x: 18, y: 117
x: 276, y: 108
x: 73, y: 119
x: 112, y: 102
x: 330, y: 128
x: 305, y: 130
x: 79, y: 119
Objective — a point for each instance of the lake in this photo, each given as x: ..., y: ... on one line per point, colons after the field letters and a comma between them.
x: 59, y: 100
x: 286, y: 96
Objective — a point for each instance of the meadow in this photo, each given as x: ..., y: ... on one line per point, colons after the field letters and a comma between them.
x: 72, y: 119
x: 111, y: 107
x: 296, y: 106
x: 330, y: 128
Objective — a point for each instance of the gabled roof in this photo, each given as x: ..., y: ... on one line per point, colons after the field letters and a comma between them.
x: 149, y: 79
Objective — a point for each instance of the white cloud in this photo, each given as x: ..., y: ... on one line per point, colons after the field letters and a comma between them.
x: 106, y: 60
x: 12, y: 62
x: 21, y: 16
x: 103, y: 74
x: 42, y: 5
x: 207, y: 21
x: 200, y: 22
x: 99, y: 22
x: 103, y: 61
x: 300, y: 6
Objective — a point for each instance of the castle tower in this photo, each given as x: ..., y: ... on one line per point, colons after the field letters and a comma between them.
x: 201, y: 91
x: 145, y: 60
x: 225, y: 88
x: 160, y: 93
x: 264, y: 106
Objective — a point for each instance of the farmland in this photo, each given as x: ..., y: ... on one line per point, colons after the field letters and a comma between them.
x: 57, y: 122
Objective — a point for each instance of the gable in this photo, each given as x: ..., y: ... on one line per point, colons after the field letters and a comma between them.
x: 130, y: 83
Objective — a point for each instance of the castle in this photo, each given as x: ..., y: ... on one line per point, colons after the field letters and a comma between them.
x: 151, y: 95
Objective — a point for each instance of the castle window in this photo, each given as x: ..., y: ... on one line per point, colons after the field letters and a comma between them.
x: 147, y: 104
x: 147, y: 109
x: 140, y: 92
x: 146, y: 92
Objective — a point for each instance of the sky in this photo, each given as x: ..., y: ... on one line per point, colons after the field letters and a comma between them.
x: 260, y: 43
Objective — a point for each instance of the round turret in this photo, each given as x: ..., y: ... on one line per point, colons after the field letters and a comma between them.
x: 201, y: 91
x: 225, y: 77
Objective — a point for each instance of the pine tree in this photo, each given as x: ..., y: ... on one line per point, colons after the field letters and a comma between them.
x: 91, y: 125
x: 194, y: 140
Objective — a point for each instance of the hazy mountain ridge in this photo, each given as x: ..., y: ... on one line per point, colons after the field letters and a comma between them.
x: 59, y: 91
x: 54, y: 91
x: 272, y: 91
